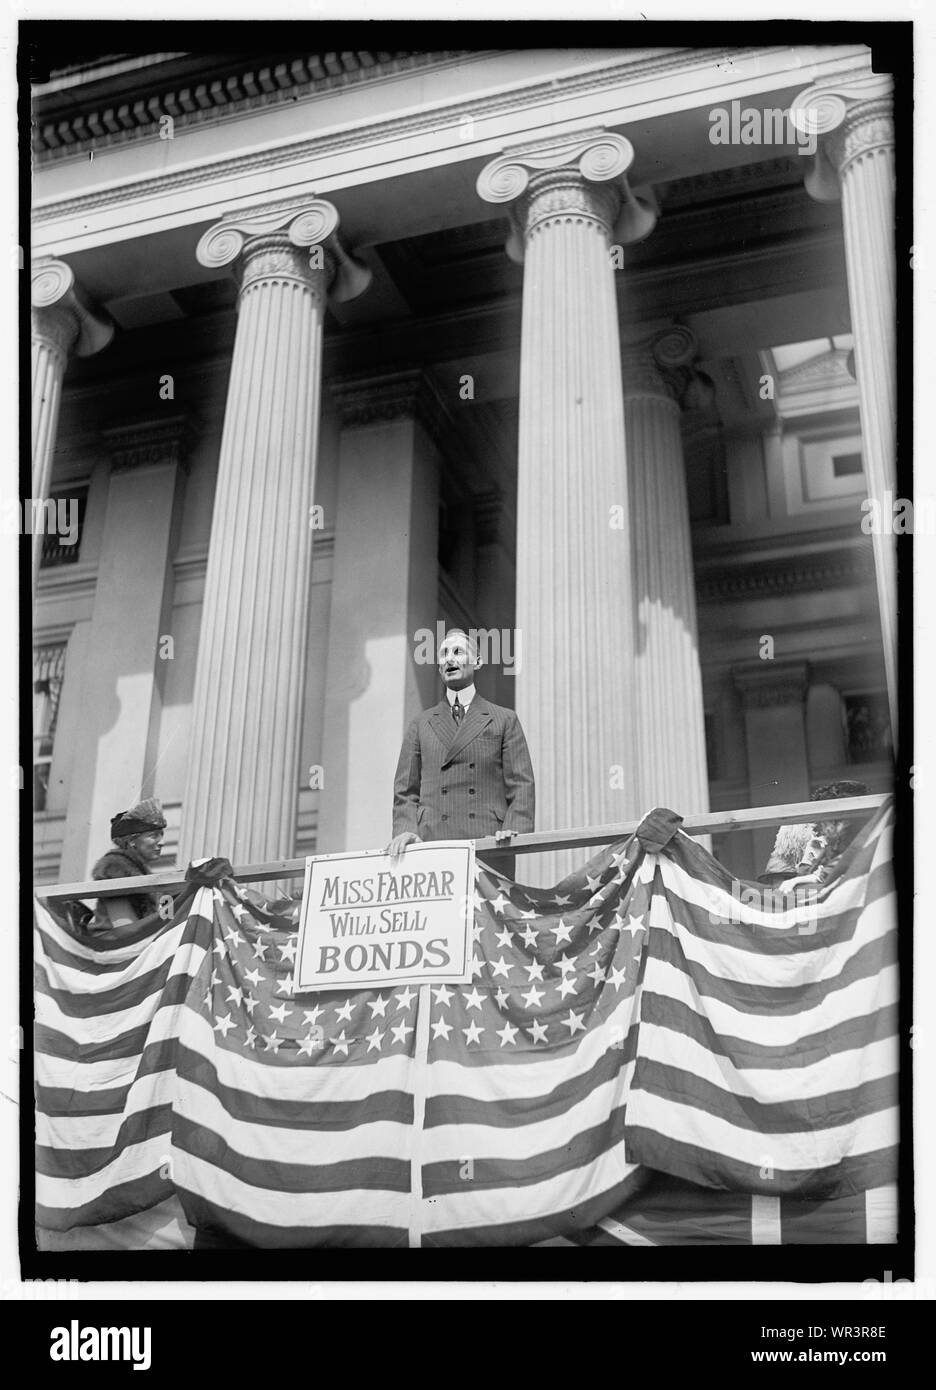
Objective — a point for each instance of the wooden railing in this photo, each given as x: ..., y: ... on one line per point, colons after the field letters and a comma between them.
x: 712, y: 823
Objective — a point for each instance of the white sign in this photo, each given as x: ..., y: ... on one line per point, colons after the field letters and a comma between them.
x: 367, y: 923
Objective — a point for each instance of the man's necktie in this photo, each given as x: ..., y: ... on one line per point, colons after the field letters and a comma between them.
x: 457, y: 711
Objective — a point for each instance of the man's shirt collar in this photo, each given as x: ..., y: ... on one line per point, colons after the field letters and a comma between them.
x: 465, y: 696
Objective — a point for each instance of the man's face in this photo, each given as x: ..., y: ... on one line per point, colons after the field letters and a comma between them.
x: 457, y: 662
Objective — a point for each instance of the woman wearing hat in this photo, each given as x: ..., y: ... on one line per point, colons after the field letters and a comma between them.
x: 808, y: 853
x: 137, y: 835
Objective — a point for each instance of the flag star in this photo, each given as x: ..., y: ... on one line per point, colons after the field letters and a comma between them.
x: 534, y: 970
x: 215, y: 978
x: 537, y: 1031
x: 312, y: 1042
x: 253, y: 976
x: 288, y: 951
x: 259, y: 949
x: 219, y: 949
x: 273, y: 1042
x: 279, y: 1013
x: 500, y: 967
x: 251, y: 1039
x: 527, y: 914
x: 596, y: 925
x: 502, y: 998
x: 285, y: 985
x: 507, y: 1034
x: 478, y: 900
x: 473, y: 1000
x: 617, y: 921
x: 472, y: 1032
x: 616, y: 977
x: 233, y: 937
x: 250, y: 1004
x: 208, y: 1000
x: 503, y: 938
x: 476, y: 967
x: 565, y: 965
x: 562, y: 932
x: 573, y: 1023
x: 592, y: 882
x: 596, y: 973
x: 566, y: 986
x: 532, y: 997
x: 441, y: 1029
x: 345, y: 1011
x: 378, y: 1006
x: 311, y: 1016
x: 404, y: 998
x: 443, y: 994
x: 340, y: 1044
x: 477, y: 929
x: 375, y: 1039
x: 400, y: 1032
x: 235, y: 995
x: 529, y: 936
x: 560, y: 902
x: 634, y: 924
x: 499, y: 903
x: 622, y: 857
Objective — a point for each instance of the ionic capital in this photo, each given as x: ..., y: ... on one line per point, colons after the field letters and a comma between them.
x: 851, y: 116
x: 297, y: 242
x: 664, y: 366
x: 581, y: 177
x: 62, y: 316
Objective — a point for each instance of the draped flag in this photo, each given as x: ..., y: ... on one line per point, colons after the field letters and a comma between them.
x: 637, y: 1017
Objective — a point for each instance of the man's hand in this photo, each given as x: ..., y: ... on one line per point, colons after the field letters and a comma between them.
x: 502, y: 836
x: 399, y: 842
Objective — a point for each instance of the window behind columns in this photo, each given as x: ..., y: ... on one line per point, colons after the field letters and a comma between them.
x: 48, y: 675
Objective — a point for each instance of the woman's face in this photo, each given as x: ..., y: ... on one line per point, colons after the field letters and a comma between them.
x: 149, y: 845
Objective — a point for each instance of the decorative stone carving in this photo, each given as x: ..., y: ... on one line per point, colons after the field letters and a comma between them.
x: 267, y: 244
x: 580, y: 177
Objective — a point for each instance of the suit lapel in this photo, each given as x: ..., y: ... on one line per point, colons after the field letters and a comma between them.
x: 443, y: 725
x: 477, y: 718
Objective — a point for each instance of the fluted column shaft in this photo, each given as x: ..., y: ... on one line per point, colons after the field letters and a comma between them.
x: 670, y: 760
x: 855, y: 161
x: 61, y: 323
x: 575, y: 693
x: 243, y: 775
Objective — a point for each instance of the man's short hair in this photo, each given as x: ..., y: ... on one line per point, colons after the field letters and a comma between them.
x: 470, y: 643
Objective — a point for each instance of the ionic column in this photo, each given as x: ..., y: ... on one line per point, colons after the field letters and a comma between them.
x: 243, y: 778
x: 62, y: 322
x: 853, y: 118
x: 670, y: 763
x: 569, y: 204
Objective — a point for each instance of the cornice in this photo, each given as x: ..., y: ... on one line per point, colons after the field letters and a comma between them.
x: 108, y: 122
x: 154, y: 440
x: 777, y: 578
x: 369, y: 134
x: 383, y: 397
x: 765, y: 684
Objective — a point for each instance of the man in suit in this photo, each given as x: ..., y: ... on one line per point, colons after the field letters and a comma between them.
x: 464, y: 770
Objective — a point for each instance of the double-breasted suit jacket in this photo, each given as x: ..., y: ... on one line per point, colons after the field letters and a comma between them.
x: 460, y: 782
